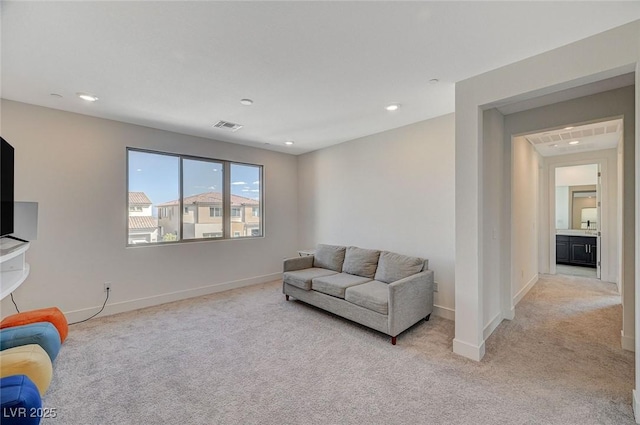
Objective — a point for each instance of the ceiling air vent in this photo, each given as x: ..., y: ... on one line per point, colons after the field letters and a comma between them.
x: 227, y: 125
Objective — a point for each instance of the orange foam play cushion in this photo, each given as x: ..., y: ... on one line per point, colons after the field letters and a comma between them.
x: 52, y: 315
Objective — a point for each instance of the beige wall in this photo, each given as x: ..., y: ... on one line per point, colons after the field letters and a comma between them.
x: 390, y: 191
x: 64, y: 158
x: 205, y: 217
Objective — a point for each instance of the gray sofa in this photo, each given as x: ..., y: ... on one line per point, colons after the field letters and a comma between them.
x: 382, y: 290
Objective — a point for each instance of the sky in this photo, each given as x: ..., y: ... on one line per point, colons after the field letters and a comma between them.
x: 158, y: 177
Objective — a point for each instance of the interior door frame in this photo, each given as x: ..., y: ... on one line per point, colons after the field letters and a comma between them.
x: 599, y: 222
x: 601, y: 193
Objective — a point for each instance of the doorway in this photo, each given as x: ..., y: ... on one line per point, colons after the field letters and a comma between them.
x: 576, y: 223
x: 580, y: 192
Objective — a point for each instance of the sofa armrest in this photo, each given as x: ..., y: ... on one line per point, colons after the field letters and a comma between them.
x: 410, y: 300
x: 298, y: 263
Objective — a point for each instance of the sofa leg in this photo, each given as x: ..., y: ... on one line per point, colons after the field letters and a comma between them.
x: 286, y: 297
x: 393, y: 340
x: 428, y: 317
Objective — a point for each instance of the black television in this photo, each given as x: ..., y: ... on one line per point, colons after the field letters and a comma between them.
x: 6, y: 188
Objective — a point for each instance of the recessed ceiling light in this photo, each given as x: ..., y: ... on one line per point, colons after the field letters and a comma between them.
x: 575, y: 142
x: 434, y: 81
x: 288, y: 143
x: 568, y: 128
x: 555, y: 145
x: 87, y: 96
x: 392, y: 107
x: 246, y: 102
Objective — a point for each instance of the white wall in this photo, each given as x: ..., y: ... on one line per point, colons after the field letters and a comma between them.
x: 604, y: 55
x: 390, y: 191
x: 562, y: 207
x: 65, y: 160
x: 577, y: 175
x: 492, y: 213
x: 525, y: 218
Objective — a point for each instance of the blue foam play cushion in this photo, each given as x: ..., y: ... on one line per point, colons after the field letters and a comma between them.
x: 21, y: 402
x: 42, y: 333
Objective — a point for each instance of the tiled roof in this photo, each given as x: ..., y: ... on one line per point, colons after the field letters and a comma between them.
x: 212, y: 198
x: 143, y: 222
x: 138, y: 198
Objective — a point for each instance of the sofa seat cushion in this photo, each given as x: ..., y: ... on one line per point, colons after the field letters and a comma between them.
x: 361, y: 262
x: 336, y: 284
x: 372, y: 295
x: 392, y: 266
x: 302, y: 278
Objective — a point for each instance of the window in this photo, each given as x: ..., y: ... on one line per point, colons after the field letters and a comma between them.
x: 246, y: 192
x: 204, y: 189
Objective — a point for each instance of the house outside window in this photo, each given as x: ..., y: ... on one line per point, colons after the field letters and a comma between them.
x: 202, y: 188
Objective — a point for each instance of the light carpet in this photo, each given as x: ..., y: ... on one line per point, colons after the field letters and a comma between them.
x: 249, y: 357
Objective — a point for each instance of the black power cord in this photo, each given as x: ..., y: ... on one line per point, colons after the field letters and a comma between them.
x: 14, y: 303
x: 88, y: 318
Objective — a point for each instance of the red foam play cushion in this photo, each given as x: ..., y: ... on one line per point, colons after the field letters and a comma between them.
x: 52, y: 315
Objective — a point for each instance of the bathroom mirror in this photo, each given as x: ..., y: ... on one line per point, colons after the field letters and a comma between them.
x: 583, y: 209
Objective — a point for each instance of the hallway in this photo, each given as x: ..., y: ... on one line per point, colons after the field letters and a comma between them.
x: 566, y: 334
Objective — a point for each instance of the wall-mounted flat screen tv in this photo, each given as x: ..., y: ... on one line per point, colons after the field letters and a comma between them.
x: 6, y: 188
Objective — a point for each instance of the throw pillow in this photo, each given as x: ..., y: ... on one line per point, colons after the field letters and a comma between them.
x: 329, y: 257
x: 361, y: 262
x: 392, y: 266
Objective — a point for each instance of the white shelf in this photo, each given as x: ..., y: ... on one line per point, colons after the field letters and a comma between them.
x: 13, y: 267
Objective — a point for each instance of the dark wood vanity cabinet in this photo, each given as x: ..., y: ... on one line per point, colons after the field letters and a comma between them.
x: 576, y: 250
x: 562, y: 249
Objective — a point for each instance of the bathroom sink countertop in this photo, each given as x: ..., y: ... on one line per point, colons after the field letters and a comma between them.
x: 576, y: 232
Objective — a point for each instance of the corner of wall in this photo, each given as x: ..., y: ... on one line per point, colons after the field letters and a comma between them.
x: 469, y: 351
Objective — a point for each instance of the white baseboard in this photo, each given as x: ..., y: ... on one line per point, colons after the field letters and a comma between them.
x: 130, y: 305
x: 636, y: 407
x: 467, y: 350
x: 492, y: 325
x: 628, y: 342
x: 444, y: 312
x: 524, y: 291
x: 509, y: 314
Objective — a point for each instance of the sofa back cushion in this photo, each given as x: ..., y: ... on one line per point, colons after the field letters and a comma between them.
x: 361, y: 262
x: 329, y: 257
x: 392, y: 266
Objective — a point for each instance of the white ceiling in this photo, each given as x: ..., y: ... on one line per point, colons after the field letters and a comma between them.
x: 582, y: 138
x: 320, y: 73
